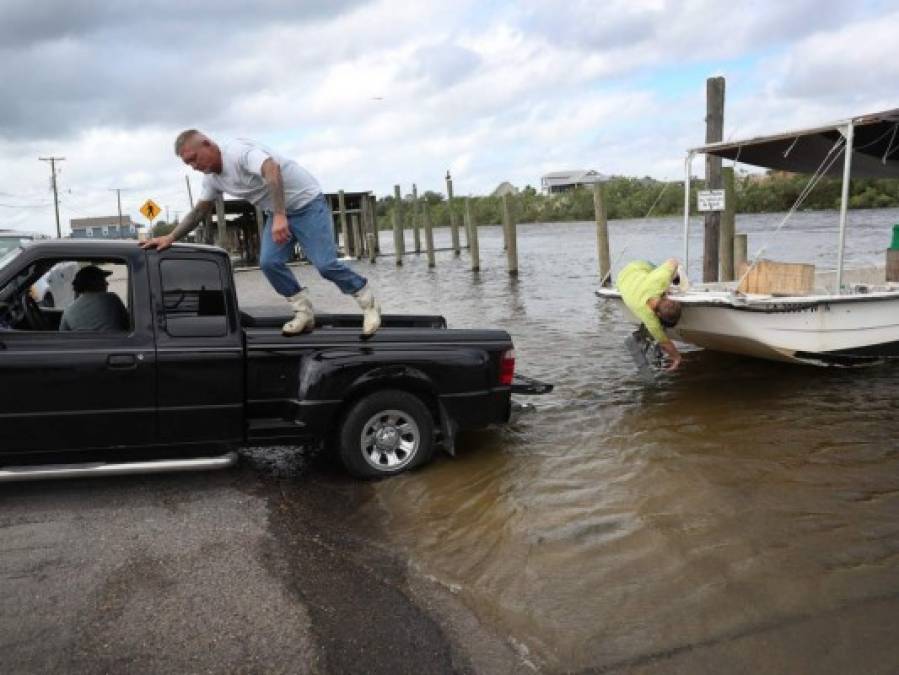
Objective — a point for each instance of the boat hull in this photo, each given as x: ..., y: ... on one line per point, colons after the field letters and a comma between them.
x: 846, y: 329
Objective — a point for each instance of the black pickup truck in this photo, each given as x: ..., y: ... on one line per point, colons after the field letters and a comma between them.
x: 193, y: 377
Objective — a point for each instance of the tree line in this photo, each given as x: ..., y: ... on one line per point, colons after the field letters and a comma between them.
x: 642, y: 197
x: 639, y: 198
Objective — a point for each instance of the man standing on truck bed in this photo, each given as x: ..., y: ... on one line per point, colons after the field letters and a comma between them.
x: 295, y: 208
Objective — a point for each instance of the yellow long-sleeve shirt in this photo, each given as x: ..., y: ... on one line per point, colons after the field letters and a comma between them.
x: 638, y: 283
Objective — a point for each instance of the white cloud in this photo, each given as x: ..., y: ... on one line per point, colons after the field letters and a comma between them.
x: 369, y: 94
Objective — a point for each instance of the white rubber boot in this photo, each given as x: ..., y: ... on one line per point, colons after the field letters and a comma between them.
x: 371, y: 310
x: 303, y: 316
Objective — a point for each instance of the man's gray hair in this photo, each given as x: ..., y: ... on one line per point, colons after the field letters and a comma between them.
x: 184, y: 137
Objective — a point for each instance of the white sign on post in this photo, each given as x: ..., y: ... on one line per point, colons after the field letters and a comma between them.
x: 710, y: 200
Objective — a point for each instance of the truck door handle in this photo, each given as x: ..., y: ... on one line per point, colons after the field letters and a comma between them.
x: 121, y: 361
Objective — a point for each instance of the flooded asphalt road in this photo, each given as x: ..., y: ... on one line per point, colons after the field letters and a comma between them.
x: 738, y: 516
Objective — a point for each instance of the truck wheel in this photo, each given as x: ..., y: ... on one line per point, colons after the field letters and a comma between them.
x: 386, y: 433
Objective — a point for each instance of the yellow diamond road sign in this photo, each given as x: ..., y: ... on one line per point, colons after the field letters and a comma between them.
x: 150, y: 209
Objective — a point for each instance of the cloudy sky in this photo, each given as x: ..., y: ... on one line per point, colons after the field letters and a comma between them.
x: 368, y: 94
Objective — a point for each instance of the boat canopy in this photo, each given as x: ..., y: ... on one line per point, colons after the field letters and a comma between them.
x: 875, y: 147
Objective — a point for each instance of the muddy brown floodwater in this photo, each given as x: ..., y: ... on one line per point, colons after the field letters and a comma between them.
x: 739, y: 514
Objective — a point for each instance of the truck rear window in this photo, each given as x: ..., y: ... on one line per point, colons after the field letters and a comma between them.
x: 194, y: 298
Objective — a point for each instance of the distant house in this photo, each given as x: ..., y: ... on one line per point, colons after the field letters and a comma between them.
x: 504, y: 188
x: 104, y: 227
x: 563, y: 181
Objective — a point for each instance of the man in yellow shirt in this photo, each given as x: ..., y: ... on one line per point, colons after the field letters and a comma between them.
x: 644, y: 290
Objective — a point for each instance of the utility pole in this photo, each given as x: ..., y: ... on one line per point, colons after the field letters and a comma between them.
x: 118, y: 193
x: 53, y: 161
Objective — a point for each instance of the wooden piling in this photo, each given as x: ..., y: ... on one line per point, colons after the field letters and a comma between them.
x: 372, y: 254
x: 728, y: 221
x: 398, y: 243
x: 416, y: 217
x: 221, y: 237
x: 602, y: 235
x: 511, y: 237
x: 373, y: 203
x: 429, y: 234
x: 260, y: 225
x: 472, y: 228
x: 741, y: 246
x: 892, y: 265
x: 344, y: 228
x: 714, y: 126
x: 454, y: 226
x: 358, y: 236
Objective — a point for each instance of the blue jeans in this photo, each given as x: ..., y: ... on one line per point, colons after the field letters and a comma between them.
x: 311, y: 227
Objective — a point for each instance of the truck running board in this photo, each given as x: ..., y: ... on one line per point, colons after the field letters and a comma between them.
x: 88, y: 469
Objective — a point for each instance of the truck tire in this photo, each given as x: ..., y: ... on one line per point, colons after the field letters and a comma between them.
x: 386, y: 433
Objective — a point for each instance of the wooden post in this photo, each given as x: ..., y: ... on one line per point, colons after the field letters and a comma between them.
x: 358, y: 236
x: 260, y: 227
x: 429, y: 235
x: 398, y: 243
x: 221, y: 223
x: 454, y: 226
x: 372, y: 255
x: 344, y: 229
x: 511, y: 237
x: 714, y: 127
x: 741, y: 245
x: 416, y: 215
x: 374, y: 223
x: 602, y: 235
x: 892, y: 270
x: 472, y: 228
x: 728, y: 218
x: 363, y: 227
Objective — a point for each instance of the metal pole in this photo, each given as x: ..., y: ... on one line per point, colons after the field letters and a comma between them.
x: 688, y: 163
x: 728, y: 217
x: 849, y: 134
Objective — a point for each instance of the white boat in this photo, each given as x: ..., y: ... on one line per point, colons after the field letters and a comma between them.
x: 850, y: 323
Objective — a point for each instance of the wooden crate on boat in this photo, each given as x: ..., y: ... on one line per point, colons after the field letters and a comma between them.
x: 892, y: 264
x: 768, y: 277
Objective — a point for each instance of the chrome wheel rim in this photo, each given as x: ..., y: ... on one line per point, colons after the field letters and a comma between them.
x: 390, y: 440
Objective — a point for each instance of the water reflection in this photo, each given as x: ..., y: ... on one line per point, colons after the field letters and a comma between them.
x: 622, y: 520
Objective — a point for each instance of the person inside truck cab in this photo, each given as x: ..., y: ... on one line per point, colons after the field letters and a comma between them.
x: 94, y: 308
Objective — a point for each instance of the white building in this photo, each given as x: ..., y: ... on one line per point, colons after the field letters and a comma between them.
x: 563, y: 181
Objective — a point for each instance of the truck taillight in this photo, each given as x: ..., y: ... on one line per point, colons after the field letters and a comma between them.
x: 507, y: 367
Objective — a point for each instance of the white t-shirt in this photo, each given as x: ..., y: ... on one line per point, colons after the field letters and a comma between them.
x: 241, y: 177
